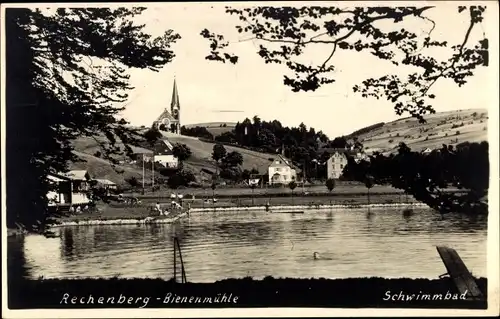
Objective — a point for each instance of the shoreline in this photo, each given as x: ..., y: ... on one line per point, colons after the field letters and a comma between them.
x: 291, y: 208
x: 299, y: 207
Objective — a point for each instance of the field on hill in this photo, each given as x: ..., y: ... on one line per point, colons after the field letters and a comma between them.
x: 449, y: 128
x: 202, y: 155
x: 86, y: 148
x: 215, y: 128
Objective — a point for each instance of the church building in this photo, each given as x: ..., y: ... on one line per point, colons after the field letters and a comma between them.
x: 170, y: 120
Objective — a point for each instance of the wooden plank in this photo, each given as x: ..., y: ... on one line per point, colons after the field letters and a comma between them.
x: 459, y: 273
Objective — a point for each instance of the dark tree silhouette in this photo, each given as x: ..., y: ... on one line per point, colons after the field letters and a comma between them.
x: 180, y: 178
x: 434, y: 178
x: 330, y: 184
x: 232, y: 159
x: 46, y: 109
x: 292, y: 185
x: 132, y: 181
x: 152, y: 136
x: 182, y: 152
x: 218, y: 153
x: 369, y: 184
x: 285, y: 33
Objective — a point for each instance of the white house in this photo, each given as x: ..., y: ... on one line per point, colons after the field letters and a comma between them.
x: 281, y: 171
x: 70, y: 188
x: 163, y: 154
x: 61, y: 194
x: 336, y: 164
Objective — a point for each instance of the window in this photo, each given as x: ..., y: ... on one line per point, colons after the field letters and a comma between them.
x: 341, y: 166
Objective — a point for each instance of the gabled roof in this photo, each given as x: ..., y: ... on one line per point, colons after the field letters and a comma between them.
x: 105, y: 181
x: 165, y: 115
x: 58, y: 177
x: 163, y: 147
x: 283, y: 162
x: 77, y: 174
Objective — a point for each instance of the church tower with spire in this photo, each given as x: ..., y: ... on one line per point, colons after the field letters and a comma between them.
x: 170, y: 120
x: 175, y: 109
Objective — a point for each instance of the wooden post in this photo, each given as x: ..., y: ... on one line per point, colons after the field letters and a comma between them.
x: 183, y: 271
x: 175, y: 265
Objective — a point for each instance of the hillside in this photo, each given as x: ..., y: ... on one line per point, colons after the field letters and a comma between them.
x: 441, y: 128
x: 201, y: 158
x: 86, y: 148
x: 202, y: 154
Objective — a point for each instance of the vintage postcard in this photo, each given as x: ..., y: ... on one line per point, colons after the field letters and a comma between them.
x: 257, y: 159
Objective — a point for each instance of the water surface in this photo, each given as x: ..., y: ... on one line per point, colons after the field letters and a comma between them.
x: 351, y: 243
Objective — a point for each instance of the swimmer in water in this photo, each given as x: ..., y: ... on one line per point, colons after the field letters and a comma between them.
x: 317, y: 257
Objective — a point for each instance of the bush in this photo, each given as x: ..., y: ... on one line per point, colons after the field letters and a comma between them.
x: 97, y: 154
x: 457, y: 133
x: 152, y: 135
x: 231, y: 173
x: 197, y: 131
x: 181, y: 178
x: 132, y: 181
x: 391, y: 140
x: 167, y: 171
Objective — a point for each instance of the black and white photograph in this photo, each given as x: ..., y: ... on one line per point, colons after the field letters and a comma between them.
x: 201, y: 159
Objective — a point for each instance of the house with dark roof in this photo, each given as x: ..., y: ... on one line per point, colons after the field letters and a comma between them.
x: 163, y: 154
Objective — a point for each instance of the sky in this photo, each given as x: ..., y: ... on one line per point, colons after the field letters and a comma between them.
x: 255, y: 88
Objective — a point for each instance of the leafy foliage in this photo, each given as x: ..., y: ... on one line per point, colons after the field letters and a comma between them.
x: 428, y: 176
x: 152, y: 136
x: 330, y: 184
x: 285, y: 34
x: 132, y: 181
x: 65, y: 75
x: 232, y: 159
x: 300, y: 144
x: 181, y: 178
x: 197, y: 131
x: 218, y: 152
x: 182, y: 152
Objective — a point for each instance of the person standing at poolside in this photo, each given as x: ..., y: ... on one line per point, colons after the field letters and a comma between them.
x: 158, y: 208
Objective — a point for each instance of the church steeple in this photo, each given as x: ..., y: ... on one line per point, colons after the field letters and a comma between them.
x: 174, y: 104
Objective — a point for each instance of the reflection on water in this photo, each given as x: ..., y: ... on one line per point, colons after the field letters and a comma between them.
x: 351, y: 243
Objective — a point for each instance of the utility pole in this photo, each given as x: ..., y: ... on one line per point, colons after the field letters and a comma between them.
x: 142, y: 173
x: 303, y: 176
x: 153, y: 176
